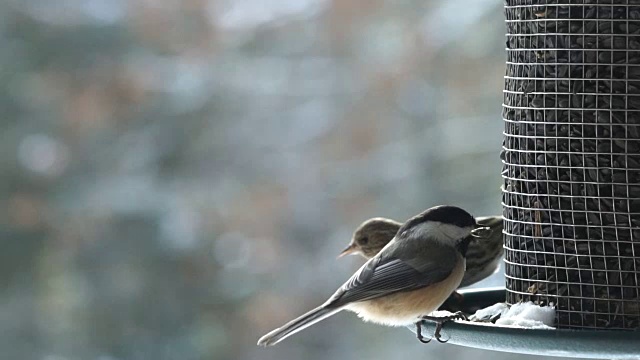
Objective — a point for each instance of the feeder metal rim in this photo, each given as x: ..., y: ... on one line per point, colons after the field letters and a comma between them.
x: 568, y: 92
x: 521, y: 6
x: 565, y: 19
x: 560, y: 123
x: 565, y: 78
x: 569, y: 34
x: 592, y: 344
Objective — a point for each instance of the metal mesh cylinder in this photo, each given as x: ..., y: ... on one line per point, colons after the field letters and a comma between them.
x: 571, y: 157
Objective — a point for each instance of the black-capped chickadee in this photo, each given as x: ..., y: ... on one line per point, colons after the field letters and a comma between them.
x: 483, y: 257
x: 408, y: 279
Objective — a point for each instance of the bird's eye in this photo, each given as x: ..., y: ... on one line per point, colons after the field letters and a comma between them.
x: 364, y: 240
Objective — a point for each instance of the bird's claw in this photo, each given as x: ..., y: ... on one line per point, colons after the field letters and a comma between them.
x: 437, y: 335
x: 439, y: 338
x: 440, y: 320
x: 421, y: 338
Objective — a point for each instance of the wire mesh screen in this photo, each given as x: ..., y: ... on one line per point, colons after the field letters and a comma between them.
x: 571, y: 157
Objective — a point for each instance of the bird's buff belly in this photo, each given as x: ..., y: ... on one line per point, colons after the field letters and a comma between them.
x: 405, y: 308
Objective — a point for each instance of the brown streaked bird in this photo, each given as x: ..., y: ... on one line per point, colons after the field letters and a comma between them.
x: 408, y: 279
x: 483, y: 257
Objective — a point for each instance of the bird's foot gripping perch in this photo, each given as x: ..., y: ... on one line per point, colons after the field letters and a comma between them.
x: 421, y: 338
x: 440, y: 320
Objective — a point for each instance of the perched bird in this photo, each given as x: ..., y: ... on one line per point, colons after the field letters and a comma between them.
x: 408, y: 279
x: 483, y: 257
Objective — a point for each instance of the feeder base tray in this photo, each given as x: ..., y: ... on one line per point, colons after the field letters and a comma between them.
x: 592, y: 344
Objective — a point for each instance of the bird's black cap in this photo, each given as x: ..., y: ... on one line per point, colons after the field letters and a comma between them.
x: 446, y: 214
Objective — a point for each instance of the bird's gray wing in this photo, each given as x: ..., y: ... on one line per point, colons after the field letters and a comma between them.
x: 386, y: 275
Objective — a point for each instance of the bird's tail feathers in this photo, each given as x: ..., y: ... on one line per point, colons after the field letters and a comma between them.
x: 318, y: 314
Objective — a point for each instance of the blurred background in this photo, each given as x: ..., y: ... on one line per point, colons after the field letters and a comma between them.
x: 179, y: 176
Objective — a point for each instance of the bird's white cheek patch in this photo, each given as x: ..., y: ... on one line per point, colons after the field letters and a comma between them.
x: 453, y: 232
x: 445, y: 233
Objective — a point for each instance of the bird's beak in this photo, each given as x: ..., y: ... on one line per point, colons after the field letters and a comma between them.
x: 349, y: 250
x: 481, y: 231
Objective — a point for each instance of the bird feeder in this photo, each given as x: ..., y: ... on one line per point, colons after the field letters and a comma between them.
x: 571, y: 171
